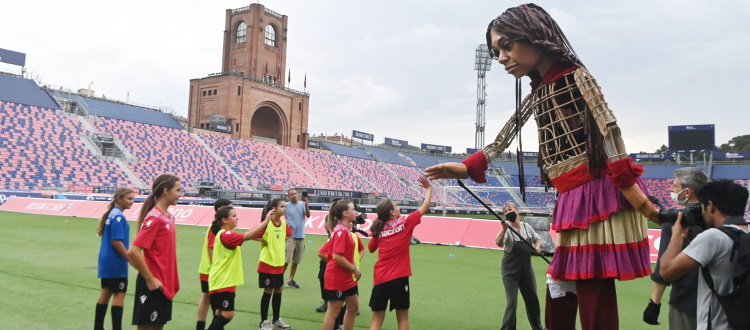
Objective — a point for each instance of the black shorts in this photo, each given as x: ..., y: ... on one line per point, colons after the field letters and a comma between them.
x: 204, y: 286
x: 222, y: 301
x: 266, y: 280
x: 151, y: 307
x: 115, y: 285
x: 397, y: 291
x: 332, y: 295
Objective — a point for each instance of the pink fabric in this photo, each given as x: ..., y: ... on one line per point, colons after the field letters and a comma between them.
x: 621, y: 261
x: 592, y: 202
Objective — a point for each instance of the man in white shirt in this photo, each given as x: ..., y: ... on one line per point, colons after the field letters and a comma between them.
x: 723, y: 203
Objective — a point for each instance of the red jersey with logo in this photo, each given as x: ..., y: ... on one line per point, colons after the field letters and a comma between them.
x: 157, y: 237
x: 264, y: 267
x: 336, y: 277
x: 393, y: 258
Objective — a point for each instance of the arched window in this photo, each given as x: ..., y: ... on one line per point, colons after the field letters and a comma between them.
x: 241, y: 33
x: 270, y: 36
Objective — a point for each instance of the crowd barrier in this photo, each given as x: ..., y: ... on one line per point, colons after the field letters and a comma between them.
x: 477, y: 233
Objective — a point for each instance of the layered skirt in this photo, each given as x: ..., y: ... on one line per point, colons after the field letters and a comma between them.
x: 599, y: 234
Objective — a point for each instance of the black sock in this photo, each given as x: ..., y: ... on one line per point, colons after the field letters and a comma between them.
x: 116, y: 317
x: 101, y: 311
x: 340, y: 317
x: 201, y: 325
x: 276, y: 305
x: 264, y: 301
x: 218, y: 322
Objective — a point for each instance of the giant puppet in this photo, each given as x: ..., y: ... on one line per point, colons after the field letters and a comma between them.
x: 599, y: 215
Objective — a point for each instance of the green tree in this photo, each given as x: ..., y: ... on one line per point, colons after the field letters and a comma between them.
x: 662, y: 150
x: 737, y: 143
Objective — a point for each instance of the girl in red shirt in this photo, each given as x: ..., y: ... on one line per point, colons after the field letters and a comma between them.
x: 153, y: 254
x: 341, y: 274
x: 391, y: 233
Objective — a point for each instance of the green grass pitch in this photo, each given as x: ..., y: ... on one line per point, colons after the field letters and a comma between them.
x: 48, y: 268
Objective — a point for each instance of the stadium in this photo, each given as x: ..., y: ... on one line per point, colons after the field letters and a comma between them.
x: 65, y: 151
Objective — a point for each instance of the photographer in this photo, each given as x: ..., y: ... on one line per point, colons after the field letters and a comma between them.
x: 518, y: 275
x: 686, y: 183
x: 722, y: 203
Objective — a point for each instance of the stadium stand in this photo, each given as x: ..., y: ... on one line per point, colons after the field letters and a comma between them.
x: 43, y: 149
x: 130, y: 113
x: 329, y: 170
x: 166, y: 150
x: 388, y: 156
x: 259, y: 163
x: 24, y: 91
x: 346, y: 151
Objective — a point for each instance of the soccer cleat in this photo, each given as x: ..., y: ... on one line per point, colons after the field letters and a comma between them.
x: 651, y: 314
x: 292, y: 284
x: 279, y: 324
x: 323, y: 308
x: 265, y: 325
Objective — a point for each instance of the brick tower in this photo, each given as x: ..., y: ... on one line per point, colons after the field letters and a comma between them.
x: 248, y: 99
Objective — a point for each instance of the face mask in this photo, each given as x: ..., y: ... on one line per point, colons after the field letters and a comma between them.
x: 675, y: 197
x: 511, y: 216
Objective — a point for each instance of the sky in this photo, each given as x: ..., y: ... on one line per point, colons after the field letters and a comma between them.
x: 404, y: 69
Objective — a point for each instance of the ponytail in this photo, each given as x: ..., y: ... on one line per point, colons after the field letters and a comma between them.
x: 383, y: 210
x: 119, y: 193
x: 164, y: 181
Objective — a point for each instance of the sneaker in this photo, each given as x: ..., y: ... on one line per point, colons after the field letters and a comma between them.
x: 323, y: 308
x: 265, y: 325
x: 279, y: 324
x: 292, y: 284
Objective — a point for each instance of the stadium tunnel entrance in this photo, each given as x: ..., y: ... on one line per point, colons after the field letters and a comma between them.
x: 269, y: 121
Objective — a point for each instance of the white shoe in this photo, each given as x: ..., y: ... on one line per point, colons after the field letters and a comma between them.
x: 265, y: 325
x: 279, y: 324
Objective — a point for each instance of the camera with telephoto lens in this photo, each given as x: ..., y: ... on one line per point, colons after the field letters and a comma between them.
x: 360, y: 220
x: 691, y: 215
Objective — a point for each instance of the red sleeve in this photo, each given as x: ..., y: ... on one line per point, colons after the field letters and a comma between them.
x: 414, y: 219
x: 325, y: 249
x: 373, y: 245
x: 339, y: 242
x: 231, y: 239
x: 147, y: 234
x: 289, y: 231
x: 623, y: 173
x: 211, y: 238
x: 260, y: 234
x: 476, y: 164
x: 359, y: 244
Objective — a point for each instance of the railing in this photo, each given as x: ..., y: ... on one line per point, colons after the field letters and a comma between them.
x: 66, y: 93
x: 272, y: 13
x: 234, y: 74
x: 239, y: 10
x: 81, y: 107
x: 264, y: 139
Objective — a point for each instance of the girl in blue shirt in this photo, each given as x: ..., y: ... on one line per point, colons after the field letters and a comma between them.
x: 113, y: 260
